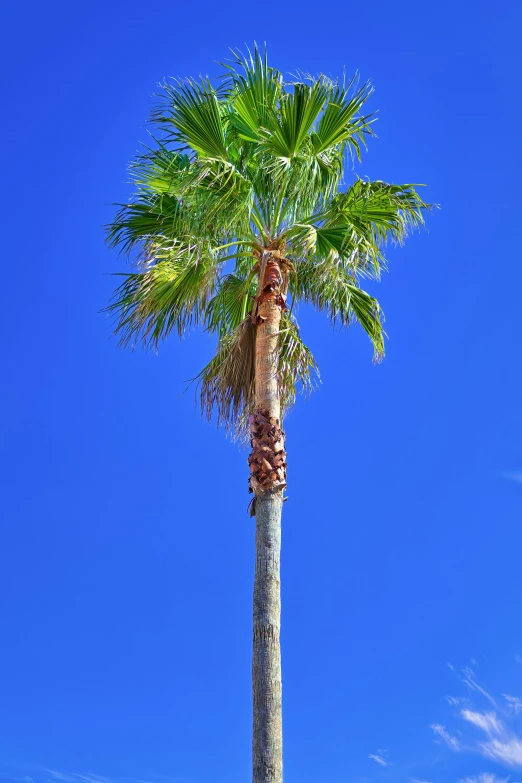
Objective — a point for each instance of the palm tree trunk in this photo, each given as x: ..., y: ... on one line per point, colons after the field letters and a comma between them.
x: 267, y: 739
x: 267, y: 466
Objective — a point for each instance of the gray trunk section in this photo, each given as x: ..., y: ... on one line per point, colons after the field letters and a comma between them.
x: 267, y: 740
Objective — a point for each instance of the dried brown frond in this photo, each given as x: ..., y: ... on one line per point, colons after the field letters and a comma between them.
x: 227, y: 382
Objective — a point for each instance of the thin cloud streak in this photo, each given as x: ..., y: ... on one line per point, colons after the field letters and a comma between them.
x: 91, y: 778
x: 467, y: 678
x: 379, y: 759
x: 76, y: 777
x: 440, y: 731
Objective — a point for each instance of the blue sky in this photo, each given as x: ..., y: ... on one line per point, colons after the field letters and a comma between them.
x: 127, y: 555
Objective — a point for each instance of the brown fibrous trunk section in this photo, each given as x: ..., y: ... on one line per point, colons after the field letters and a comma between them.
x: 267, y: 459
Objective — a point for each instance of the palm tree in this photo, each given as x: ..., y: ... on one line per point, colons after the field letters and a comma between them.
x: 251, y: 172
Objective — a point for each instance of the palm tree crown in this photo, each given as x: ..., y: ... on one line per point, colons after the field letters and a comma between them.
x: 247, y: 171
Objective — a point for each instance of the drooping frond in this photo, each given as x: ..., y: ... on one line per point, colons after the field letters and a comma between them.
x: 170, y: 295
x: 389, y: 211
x: 227, y: 381
x: 230, y: 304
x: 355, y: 225
x: 157, y: 210
x: 328, y: 286
x: 298, y: 369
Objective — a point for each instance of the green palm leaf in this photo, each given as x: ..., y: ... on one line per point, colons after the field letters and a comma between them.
x: 328, y: 286
x: 254, y: 91
x: 230, y: 305
x: 191, y: 115
x: 341, y: 123
x: 354, y: 226
x: 290, y: 126
x: 171, y: 294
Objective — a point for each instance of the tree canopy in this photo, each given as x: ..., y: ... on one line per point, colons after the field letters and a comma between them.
x: 255, y: 164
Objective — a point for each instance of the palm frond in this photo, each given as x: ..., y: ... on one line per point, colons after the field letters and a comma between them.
x: 297, y: 370
x: 222, y: 198
x: 161, y: 171
x: 172, y: 294
x: 254, y: 89
x: 355, y: 226
x: 328, y: 286
x: 136, y: 223
x: 227, y: 383
x: 291, y: 126
x: 389, y: 211
x: 341, y: 123
x: 230, y: 304
x: 192, y: 116
x: 159, y: 214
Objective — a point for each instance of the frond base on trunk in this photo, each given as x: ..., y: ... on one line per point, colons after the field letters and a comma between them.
x: 267, y: 460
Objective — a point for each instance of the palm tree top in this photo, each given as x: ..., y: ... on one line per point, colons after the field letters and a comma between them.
x: 249, y: 170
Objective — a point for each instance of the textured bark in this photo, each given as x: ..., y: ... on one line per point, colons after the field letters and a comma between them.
x: 267, y: 740
x: 267, y: 460
x: 268, y: 471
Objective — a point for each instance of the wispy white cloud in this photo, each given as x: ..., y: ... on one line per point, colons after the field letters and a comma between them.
x: 378, y: 758
x: 92, y: 778
x: 468, y: 677
x: 76, y: 777
x: 416, y: 780
x: 503, y: 745
x: 440, y: 731
x: 500, y: 740
x: 514, y: 702
x: 507, y: 750
x: 454, y: 701
x: 487, y: 721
